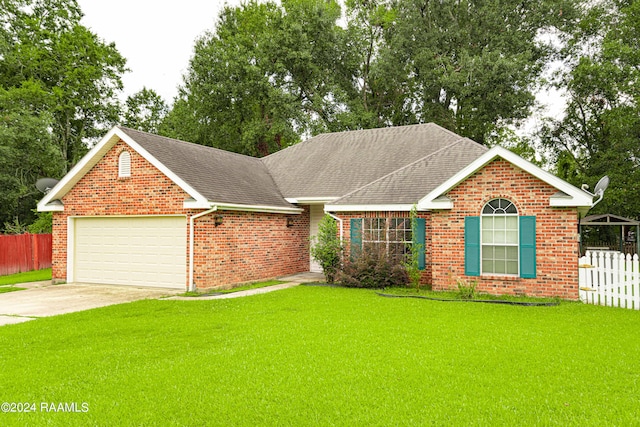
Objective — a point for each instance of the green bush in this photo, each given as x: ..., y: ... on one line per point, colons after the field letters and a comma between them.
x: 466, y: 290
x: 412, y: 264
x: 43, y: 223
x: 326, y: 249
x: 373, y: 269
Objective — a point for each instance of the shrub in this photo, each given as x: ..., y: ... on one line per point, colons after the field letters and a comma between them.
x: 43, y: 223
x: 412, y: 264
x: 326, y: 249
x: 467, y: 290
x: 15, y: 227
x: 373, y: 269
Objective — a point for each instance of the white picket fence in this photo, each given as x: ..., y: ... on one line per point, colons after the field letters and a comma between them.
x: 610, y: 278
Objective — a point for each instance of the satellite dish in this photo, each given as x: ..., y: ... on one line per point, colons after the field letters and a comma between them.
x: 46, y: 184
x: 601, y: 186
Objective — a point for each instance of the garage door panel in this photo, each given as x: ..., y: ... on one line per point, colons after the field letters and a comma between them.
x: 141, y: 251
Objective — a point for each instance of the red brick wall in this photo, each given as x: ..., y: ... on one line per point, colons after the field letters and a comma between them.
x: 149, y: 192
x: 249, y: 246
x: 556, y: 234
x: 347, y: 216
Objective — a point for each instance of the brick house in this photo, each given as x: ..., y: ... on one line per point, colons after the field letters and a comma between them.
x: 145, y: 210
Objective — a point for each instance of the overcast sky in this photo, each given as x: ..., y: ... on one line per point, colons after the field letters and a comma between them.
x: 155, y: 37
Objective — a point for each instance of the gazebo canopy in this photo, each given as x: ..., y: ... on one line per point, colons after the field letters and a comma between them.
x: 607, y: 219
x: 615, y: 220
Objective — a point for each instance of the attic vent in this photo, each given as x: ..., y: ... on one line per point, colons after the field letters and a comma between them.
x: 124, y: 165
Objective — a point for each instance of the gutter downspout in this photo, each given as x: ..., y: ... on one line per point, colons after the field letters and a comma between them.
x: 340, y: 221
x: 192, y: 288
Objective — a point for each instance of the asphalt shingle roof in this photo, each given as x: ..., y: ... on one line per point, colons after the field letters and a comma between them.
x: 221, y: 176
x: 396, y: 165
x: 414, y: 181
x: 335, y: 164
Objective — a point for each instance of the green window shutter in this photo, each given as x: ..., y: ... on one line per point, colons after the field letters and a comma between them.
x: 472, y: 246
x: 418, y: 233
x: 528, y: 247
x: 356, y: 236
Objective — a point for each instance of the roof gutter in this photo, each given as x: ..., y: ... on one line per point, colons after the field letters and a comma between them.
x: 369, y: 208
x: 192, y: 221
x: 258, y: 208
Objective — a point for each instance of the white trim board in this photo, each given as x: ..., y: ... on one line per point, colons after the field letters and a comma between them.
x: 575, y: 197
x: 95, y: 155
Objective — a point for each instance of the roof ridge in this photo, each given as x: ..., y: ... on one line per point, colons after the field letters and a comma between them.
x: 389, y: 129
x: 297, y: 144
x: 273, y: 179
x: 453, y: 143
x: 191, y: 144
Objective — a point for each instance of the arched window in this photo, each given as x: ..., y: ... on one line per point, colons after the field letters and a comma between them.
x: 124, y: 165
x: 500, y: 238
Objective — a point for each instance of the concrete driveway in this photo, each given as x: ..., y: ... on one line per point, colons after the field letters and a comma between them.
x: 43, y: 301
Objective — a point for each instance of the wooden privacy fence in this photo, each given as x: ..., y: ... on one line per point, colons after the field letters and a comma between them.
x: 24, y: 252
x: 610, y: 278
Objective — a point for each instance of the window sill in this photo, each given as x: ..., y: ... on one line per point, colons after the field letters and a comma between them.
x: 507, y: 277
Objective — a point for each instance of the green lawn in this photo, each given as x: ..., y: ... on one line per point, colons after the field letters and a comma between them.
x: 247, y: 287
x: 4, y: 289
x: 29, y: 276
x: 250, y: 286
x: 326, y: 356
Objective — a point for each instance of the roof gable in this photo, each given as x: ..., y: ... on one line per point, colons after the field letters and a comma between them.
x: 208, y: 175
x: 48, y: 202
x: 608, y: 219
x: 567, y: 196
x: 219, y: 176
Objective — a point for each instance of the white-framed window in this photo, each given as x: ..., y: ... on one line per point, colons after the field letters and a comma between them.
x: 500, y: 238
x: 124, y: 165
x: 393, y: 235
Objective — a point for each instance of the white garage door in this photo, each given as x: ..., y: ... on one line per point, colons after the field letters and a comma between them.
x: 140, y: 251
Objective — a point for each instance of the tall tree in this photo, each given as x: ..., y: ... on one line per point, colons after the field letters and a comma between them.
x: 79, y: 73
x: 600, y: 133
x: 145, y: 110
x: 471, y: 66
x: 27, y: 153
x: 371, y: 98
x: 307, y: 48
x: 260, y: 79
x: 230, y: 86
x: 58, y: 86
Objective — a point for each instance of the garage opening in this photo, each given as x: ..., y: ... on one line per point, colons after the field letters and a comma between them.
x: 134, y: 250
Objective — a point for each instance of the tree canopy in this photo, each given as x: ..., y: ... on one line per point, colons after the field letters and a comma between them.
x: 270, y: 73
x: 600, y: 134
x: 58, y: 87
x: 145, y: 110
x: 257, y: 82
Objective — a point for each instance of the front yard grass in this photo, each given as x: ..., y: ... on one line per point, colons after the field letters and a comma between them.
x: 8, y: 288
x: 455, y: 296
x: 246, y: 287
x: 29, y: 276
x: 326, y: 356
